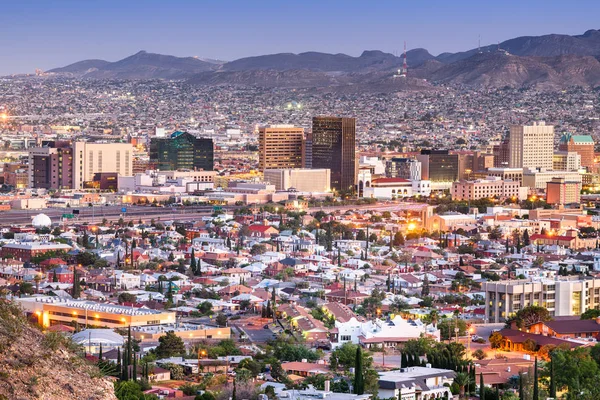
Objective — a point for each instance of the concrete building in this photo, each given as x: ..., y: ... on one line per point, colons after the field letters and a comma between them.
x: 540, y: 179
x: 566, y: 161
x: 501, y: 153
x: 51, y: 166
x: 391, y: 188
x: 561, y: 192
x: 580, y: 144
x: 334, y: 147
x: 280, y: 147
x: 406, y: 168
x: 563, y: 296
x: 531, y: 146
x: 303, y: 180
x: 513, y: 174
x: 182, y: 330
x: 487, y: 188
x: 92, y: 158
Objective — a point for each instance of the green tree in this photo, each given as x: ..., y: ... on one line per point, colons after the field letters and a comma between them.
x: 221, y: 319
x: 169, y: 345
x: 531, y: 315
x: 359, y: 383
x: 462, y: 379
x: 591, y: 314
x: 496, y: 339
x: 127, y: 298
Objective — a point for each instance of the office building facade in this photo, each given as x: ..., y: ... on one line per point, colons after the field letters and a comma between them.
x: 334, y: 147
x: 438, y: 165
x: 562, y: 192
x: 280, y: 146
x: 92, y: 158
x: 51, y: 166
x: 182, y: 151
x: 405, y: 168
x: 531, y: 146
x: 580, y: 144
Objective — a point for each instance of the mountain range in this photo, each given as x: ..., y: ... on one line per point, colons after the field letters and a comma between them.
x: 548, y: 61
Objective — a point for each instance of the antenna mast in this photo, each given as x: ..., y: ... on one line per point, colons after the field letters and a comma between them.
x: 404, y: 64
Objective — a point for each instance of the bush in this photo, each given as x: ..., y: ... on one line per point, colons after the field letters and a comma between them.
x: 53, y: 341
x: 189, y: 389
x: 479, y: 354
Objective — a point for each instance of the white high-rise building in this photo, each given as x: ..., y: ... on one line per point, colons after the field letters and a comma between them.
x: 531, y: 146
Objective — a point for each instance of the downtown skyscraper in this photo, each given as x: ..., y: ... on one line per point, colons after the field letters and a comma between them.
x: 334, y: 147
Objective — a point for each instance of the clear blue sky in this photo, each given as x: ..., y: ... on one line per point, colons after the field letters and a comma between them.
x: 52, y: 33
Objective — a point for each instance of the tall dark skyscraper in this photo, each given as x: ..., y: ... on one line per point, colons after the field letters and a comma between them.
x: 333, y: 147
x: 182, y: 150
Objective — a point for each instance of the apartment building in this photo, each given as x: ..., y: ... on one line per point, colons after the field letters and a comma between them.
x: 563, y: 296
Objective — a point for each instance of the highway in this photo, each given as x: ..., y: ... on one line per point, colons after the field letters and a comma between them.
x: 95, y: 214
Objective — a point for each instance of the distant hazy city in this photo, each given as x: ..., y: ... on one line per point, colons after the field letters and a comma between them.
x: 301, y: 226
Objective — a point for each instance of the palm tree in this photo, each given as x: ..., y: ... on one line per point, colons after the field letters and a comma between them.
x: 462, y: 379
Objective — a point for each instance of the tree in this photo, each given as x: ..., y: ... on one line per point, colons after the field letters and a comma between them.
x: 76, y: 290
x: 258, y: 249
x: 345, y: 357
x: 591, y: 314
x: 86, y: 258
x: 536, y: 389
x: 479, y: 354
x: 462, y: 379
x: 526, y: 240
x: 193, y: 262
x: 425, y: 288
x: 127, y: 298
x: 359, y: 383
x: 529, y: 345
x: 552, y: 388
x: 496, y: 340
x: 482, y: 387
x: 221, y: 319
x: 531, y: 315
x: 169, y: 345
x: 398, y: 239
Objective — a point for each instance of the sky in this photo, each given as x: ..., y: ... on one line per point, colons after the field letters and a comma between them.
x: 52, y: 33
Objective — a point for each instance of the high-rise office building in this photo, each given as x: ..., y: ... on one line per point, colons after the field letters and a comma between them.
x: 580, y: 144
x: 406, y: 168
x: 182, y: 150
x: 438, y: 165
x: 307, y: 151
x: 334, y: 147
x: 51, y: 166
x: 501, y: 154
x: 280, y: 147
x: 531, y: 146
x: 92, y: 158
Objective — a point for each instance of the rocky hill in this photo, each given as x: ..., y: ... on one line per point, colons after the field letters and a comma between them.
x: 141, y: 65
x: 38, y: 366
x: 547, y: 62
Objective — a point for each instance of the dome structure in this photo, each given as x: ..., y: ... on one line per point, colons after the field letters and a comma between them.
x: 41, y: 221
x: 107, y: 337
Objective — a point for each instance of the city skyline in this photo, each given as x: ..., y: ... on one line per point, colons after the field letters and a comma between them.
x: 65, y: 32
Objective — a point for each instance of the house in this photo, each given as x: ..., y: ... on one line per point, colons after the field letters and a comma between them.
x: 568, y: 329
x: 236, y: 274
x: 63, y: 275
x: 305, y: 368
x: 125, y: 280
x: 416, y: 383
x: 513, y: 340
x: 346, y: 297
x: 262, y: 231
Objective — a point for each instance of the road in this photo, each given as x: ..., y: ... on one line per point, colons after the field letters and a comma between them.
x: 97, y: 213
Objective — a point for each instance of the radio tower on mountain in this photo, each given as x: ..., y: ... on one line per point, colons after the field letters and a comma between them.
x: 404, y: 70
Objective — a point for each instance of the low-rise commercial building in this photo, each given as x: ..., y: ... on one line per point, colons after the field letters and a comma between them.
x: 302, y: 180
x: 184, y: 331
x: 487, y: 188
x: 538, y: 179
x: 53, y: 310
x: 559, y: 191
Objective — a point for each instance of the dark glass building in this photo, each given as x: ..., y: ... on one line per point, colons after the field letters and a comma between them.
x: 182, y: 150
x: 334, y: 147
x: 438, y: 165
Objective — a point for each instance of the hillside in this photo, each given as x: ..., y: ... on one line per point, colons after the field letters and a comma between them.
x: 34, y: 366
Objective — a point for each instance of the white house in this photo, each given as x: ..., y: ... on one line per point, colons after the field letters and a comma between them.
x: 125, y: 280
x: 416, y: 383
x: 380, y: 332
